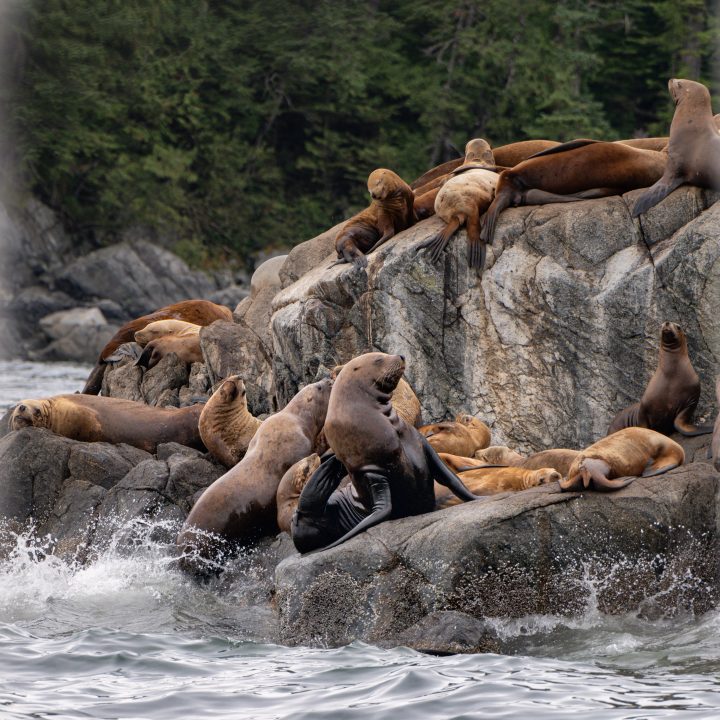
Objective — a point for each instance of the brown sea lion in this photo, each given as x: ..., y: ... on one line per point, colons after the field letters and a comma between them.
x: 240, y: 505
x: 186, y: 347
x: 715, y: 444
x: 694, y: 147
x: 92, y: 418
x: 290, y: 487
x: 465, y: 436
x: 558, y: 458
x: 199, y: 312
x: 617, y: 459
x: 390, y: 212
x: 391, y: 466
x: 577, y: 170
x: 499, y: 455
x: 651, y: 143
x: 226, y: 425
x: 160, y: 328
x: 670, y: 398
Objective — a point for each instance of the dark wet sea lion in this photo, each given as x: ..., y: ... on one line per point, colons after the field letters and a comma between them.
x: 391, y: 466
x: 577, y: 170
x: 199, y: 312
x: 240, y: 505
x: 694, y: 147
x: 389, y: 212
x: 670, y: 398
x: 93, y: 418
x: 616, y: 460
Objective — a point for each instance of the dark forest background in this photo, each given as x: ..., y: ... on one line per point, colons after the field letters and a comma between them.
x: 227, y: 127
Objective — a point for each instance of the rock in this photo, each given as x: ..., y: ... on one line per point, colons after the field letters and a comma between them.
x: 320, y: 251
x: 123, y: 380
x: 558, y: 334
x: 198, y: 387
x: 103, y: 464
x: 449, y: 633
x: 229, y: 296
x: 170, y: 374
x: 145, y: 277
x: 535, y: 552
x: 78, y: 334
x: 267, y: 275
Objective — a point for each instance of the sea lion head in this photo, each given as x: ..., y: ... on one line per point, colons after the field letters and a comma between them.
x: 547, y: 475
x: 29, y: 413
x: 672, y: 336
x: 469, y: 420
x: 381, y: 370
x: 382, y: 183
x: 151, y: 355
x: 680, y: 89
x: 232, y: 390
x: 479, y: 150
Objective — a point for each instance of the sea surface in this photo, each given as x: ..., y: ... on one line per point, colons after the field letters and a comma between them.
x: 127, y: 636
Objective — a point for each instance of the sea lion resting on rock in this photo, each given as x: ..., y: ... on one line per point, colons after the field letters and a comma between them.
x: 91, y: 418
x: 669, y: 401
x: 559, y: 459
x: 391, y: 466
x: 161, y: 328
x: 187, y: 348
x: 226, y: 425
x: 240, y: 505
x: 715, y: 444
x: 463, y: 437
x: 499, y: 455
x: 199, y: 312
x: 615, y: 461
x: 694, y: 147
x: 390, y: 212
x: 577, y: 170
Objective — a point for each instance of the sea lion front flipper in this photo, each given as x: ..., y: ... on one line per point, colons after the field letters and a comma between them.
x: 321, y: 485
x: 437, y: 243
x: 94, y: 382
x: 443, y: 475
x: 542, y: 197
x: 683, y: 425
x: 651, y: 470
x: 381, y: 508
x: 654, y: 194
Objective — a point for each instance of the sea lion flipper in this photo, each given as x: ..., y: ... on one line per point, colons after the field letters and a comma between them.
x: 689, y: 429
x: 651, y: 470
x: 144, y: 359
x: 444, y: 476
x: 94, y: 381
x: 654, y: 194
x: 603, y: 483
x: 534, y: 196
x: 321, y: 485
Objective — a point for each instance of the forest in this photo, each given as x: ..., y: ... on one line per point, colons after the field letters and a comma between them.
x: 222, y: 129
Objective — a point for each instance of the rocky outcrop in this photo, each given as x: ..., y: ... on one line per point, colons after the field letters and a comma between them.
x: 558, y: 333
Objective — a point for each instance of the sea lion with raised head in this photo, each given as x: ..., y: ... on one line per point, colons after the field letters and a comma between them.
x: 464, y: 437
x: 226, y: 425
x: 92, y: 418
x: 390, y: 465
x: 186, y: 347
x: 670, y: 398
x: 693, y: 149
x: 161, y: 328
x: 389, y: 212
x: 616, y: 460
x: 574, y: 171
x: 240, y: 505
x: 199, y: 312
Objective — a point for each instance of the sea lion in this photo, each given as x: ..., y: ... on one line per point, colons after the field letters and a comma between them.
x: 577, y: 170
x: 616, y: 460
x: 499, y: 455
x: 465, y: 436
x: 651, y: 143
x: 240, y: 505
x: 694, y: 147
x: 186, y: 347
x: 226, y: 425
x: 160, y: 328
x: 199, y: 312
x: 91, y: 418
x: 558, y: 458
x: 390, y: 212
x: 715, y: 444
x: 670, y: 398
x: 391, y: 466
x: 290, y: 487
x: 490, y: 481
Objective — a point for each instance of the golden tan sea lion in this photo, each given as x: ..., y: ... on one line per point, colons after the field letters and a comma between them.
x: 290, y: 487
x: 465, y: 436
x: 226, y: 425
x: 92, y: 418
x: 499, y: 455
x: 693, y: 149
x: 160, y: 328
x: 617, y: 459
x: 390, y: 212
x: 558, y: 458
x: 669, y: 401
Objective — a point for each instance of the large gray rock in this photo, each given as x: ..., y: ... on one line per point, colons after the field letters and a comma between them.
x: 78, y: 334
x: 310, y: 254
x: 558, y: 333
x: 535, y: 552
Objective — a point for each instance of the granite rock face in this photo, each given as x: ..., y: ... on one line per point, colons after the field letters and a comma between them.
x: 558, y: 333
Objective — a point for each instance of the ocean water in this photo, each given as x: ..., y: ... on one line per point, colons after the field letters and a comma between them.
x: 128, y: 636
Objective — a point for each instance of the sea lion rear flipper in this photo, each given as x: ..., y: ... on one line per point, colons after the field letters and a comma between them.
x: 651, y: 470
x: 603, y: 483
x: 654, y: 194
x: 684, y: 427
x: 542, y: 197
x: 476, y: 255
x: 444, y: 476
x: 381, y: 508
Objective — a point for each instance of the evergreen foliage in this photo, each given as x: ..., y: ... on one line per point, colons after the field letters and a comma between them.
x: 230, y: 127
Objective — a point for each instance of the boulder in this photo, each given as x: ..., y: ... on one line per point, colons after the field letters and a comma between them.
x: 558, y: 333
x: 78, y: 334
x: 267, y: 275
x: 310, y: 254
x: 540, y: 551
